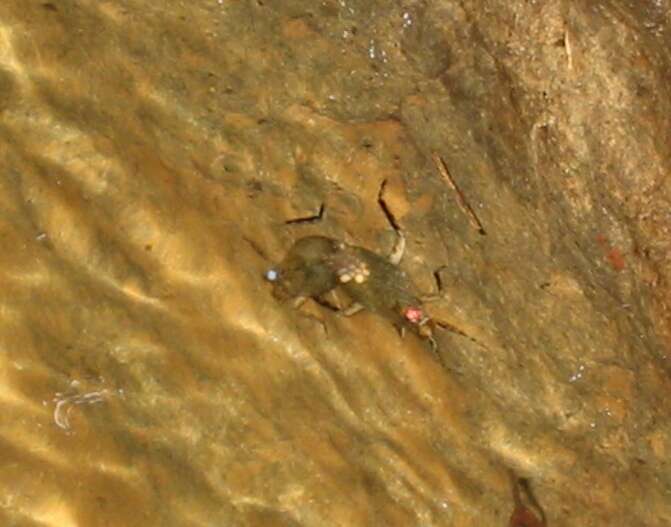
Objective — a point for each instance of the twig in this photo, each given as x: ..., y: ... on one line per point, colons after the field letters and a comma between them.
x: 461, y: 199
x: 308, y: 219
x: 385, y: 208
x: 399, y: 247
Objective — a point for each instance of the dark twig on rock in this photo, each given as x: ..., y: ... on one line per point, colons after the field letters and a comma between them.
x: 399, y: 247
x: 385, y: 208
x: 461, y: 199
x: 308, y: 219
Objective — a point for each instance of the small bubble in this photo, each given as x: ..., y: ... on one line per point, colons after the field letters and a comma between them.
x: 577, y: 375
x: 272, y: 275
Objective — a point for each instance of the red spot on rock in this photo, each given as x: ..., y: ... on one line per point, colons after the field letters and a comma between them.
x: 615, y: 258
x: 613, y: 254
x: 523, y: 517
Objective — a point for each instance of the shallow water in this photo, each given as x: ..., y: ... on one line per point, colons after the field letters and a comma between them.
x: 152, y: 155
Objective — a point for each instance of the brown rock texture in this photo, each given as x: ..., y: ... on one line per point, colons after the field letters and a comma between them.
x: 158, y: 157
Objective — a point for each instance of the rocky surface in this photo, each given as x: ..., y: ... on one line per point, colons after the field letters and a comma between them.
x: 159, y: 157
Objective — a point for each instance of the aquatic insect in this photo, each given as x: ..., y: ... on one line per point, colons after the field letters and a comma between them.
x: 315, y: 265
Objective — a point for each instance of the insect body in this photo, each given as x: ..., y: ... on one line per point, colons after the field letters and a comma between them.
x: 315, y: 265
x: 305, y: 270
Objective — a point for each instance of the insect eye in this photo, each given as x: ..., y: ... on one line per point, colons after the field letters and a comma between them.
x: 272, y: 275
